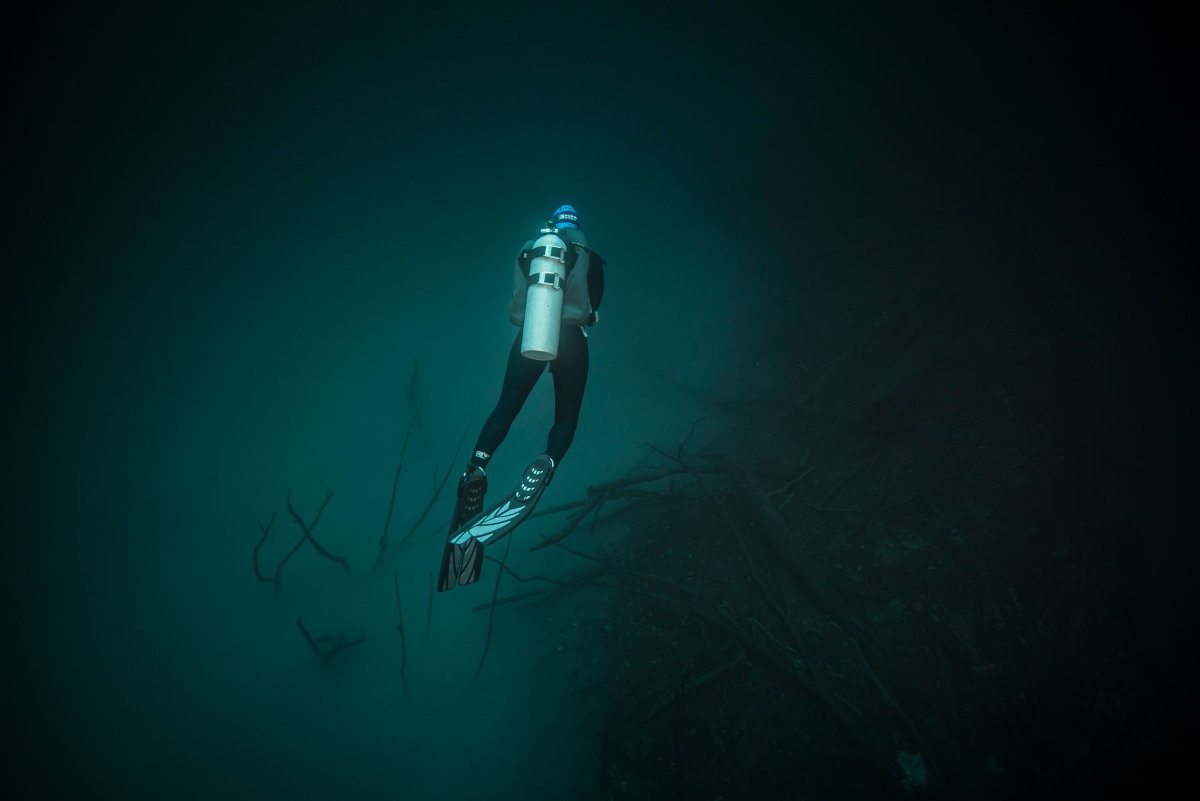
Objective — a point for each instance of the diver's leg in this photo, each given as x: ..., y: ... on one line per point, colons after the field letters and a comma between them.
x: 570, y: 377
x: 462, y: 558
x: 505, y: 516
x: 519, y: 377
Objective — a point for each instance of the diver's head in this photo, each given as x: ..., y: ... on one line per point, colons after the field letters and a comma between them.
x: 565, y: 217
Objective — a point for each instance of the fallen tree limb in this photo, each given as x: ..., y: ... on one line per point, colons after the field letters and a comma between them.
x: 429, y: 610
x: 597, y: 493
x: 275, y: 577
x: 437, y: 490
x: 403, y: 645
x: 415, y: 406
x: 824, y: 597
x: 521, y: 596
x: 307, y: 528
x: 487, y: 643
x: 341, y: 643
x: 779, y: 537
x: 395, y: 482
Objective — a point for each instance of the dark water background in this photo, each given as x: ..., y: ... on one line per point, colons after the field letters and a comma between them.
x: 231, y: 231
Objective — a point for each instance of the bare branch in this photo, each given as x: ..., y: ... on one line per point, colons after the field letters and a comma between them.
x: 429, y: 609
x: 691, y: 431
x: 847, y: 479
x: 415, y: 407
x: 437, y: 493
x: 598, y: 492
x: 487, y: 644
x: 274, y: 578
x: 403, y: 646
x: 327, y: 654
x: 257, y: 572
x: 308, y: 529
x: 521, y: 596
x: 396, y: 481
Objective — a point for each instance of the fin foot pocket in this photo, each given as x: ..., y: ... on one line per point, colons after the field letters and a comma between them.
x: 472, y: 488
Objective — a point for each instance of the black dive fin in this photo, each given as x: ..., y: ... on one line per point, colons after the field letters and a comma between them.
x: 461, y: 563
x: 505, y: 516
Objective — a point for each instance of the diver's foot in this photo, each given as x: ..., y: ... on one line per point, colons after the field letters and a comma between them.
x: 536, y: 478
x: 472, y: 488
x: 512, y: 511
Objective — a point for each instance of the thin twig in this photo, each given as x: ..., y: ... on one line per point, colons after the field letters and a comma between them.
x: 306, y: 535
x: 598, y: 492
x: 276, y: 577
x: 403, y: 646
x: 308, y: 529
x: 557, y: 582
x: 327, y: 654
x: 521, y: 596
x: 266, y: 531
x: 395, y: 482
x: 691, y: 431
x: 788, y: 486
x: 429, y: 609
x: 415, y: 406
x: 487, y: 644
x: 438, y: 490
x: 609, y: 496
x: 566, y: 507
x: 846, y: 479
x: 870, y: 515
x: 316, y: 650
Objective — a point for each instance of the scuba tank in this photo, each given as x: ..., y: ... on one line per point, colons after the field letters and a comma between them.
x: 544, y: 296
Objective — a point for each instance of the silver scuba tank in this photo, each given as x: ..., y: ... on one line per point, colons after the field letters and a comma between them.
x: 544, y: 297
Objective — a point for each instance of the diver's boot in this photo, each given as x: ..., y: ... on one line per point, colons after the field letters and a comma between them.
x: 462, y: 561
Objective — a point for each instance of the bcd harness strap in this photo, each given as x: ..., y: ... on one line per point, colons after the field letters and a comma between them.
x: 546, y: 250
x: 568, y: 255
x: 549, y: 279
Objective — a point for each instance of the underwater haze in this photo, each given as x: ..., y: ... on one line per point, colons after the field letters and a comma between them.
x: 258, y: 266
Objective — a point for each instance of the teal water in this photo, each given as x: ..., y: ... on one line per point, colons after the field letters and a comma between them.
x: 232, y: 231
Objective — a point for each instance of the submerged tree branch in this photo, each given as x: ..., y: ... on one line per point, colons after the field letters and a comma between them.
x: 307, y: 528
x: 403, y: 646
x: 487, y: 644
x: 395, y: 482
x: 521, y: 596
x: 597, y: 493
x: 274, y: 578
x: 326, y: 653
x: 437, y: 492
x: 415, y: 407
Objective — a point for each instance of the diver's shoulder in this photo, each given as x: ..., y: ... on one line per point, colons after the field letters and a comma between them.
x: 573, y: 235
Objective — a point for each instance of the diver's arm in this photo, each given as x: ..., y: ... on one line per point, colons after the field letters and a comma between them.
x: 516, y: 304
x: 595, y: 279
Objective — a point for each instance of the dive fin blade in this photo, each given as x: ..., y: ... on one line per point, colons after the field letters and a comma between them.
x: 461, y: 564
x: 462, y: 559
x: 503, y: 518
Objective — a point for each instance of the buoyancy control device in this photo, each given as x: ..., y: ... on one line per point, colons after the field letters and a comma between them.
x: 548, y: 265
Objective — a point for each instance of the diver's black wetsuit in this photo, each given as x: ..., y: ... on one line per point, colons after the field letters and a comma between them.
x: 569, y: 371
x: 471, y: 527
x: 583, y: 292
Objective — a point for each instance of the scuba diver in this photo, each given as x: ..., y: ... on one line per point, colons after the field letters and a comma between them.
x: 558, y: 282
